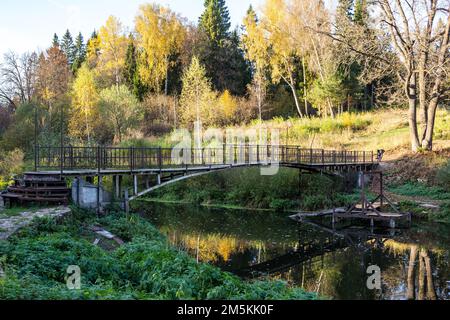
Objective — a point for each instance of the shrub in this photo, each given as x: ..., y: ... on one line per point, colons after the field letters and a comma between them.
x: 10, y: 163
x: 443, y: 177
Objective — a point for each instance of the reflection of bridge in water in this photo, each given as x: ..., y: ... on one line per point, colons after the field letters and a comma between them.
x: 307, y: 250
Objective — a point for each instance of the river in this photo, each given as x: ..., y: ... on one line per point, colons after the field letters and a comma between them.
x: 414, y: 263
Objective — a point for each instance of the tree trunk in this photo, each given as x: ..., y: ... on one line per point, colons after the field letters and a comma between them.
x: 291, y: 84
x: 304, y: 86
x: 259, y: 97
x: 411, y: 291
x: 166, y: 87
x: 427, y: 142
x: 421, y: 278
x: 412, y: 101
x: 431, y: 293
x: 423, y: 95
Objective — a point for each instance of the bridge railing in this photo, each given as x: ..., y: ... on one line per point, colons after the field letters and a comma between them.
x: 140, y: 158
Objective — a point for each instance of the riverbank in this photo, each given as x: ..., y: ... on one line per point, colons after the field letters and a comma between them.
x: 146, y: 266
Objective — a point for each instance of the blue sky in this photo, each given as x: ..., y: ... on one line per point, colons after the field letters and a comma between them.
x: 27, y: 25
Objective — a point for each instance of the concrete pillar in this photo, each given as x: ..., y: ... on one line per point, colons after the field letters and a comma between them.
x: 159, y: 179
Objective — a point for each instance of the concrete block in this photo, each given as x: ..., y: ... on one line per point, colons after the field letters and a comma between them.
x: 87, y: 193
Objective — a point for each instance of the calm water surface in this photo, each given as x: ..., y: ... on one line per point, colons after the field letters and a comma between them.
x: 414, y: 263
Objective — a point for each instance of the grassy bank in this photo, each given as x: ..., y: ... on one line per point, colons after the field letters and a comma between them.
x: 146, y: 267
x: 378, y: 129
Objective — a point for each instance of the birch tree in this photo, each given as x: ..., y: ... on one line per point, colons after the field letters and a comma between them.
x: 160, y: 37
x: 257, y: 51
x: 112, y: 47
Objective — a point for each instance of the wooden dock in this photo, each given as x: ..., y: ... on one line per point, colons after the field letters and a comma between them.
x: 364, y: 209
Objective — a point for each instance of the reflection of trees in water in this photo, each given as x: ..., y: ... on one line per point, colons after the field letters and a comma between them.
x: 420, y: 281
x: 425, y: 290
x: 217, y: 248
x: 238, y: 240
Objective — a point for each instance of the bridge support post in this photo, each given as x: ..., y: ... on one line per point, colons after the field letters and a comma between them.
x: 117, y: 181
x: 99, y: 189
x: 126, y: 205
x: 78, y: 180
x: 158, y: 179
x: 147, y: 182
x: 135, y: 184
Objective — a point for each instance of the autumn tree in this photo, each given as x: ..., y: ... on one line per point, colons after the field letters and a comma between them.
x: 197, y: 98
x: 160, y: 36
x: 257, y: 51
x: 53, y: 77
x: 284, y: 52
x: 84, y: 104
x: 112, y: 49
x: 119, y: 106
x: 226, y: 108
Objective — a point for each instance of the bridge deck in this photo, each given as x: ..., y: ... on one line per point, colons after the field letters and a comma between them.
x: 75, y: 161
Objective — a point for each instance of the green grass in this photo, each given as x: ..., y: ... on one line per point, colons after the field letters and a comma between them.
x: 146, y: 267
x: 421, y: 190
x: 441, y: 215
x: 16, y: 211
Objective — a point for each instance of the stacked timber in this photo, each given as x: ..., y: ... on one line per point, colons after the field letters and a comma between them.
x: 38, y: 189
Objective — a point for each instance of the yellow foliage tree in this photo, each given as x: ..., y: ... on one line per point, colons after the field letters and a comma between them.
x: 112, y: 44
x: 278, y: 25
x: 84, y: 104
x: 256, y: 50
x: 197, y: 98
x: 227, y: 105
x: 160, y: 36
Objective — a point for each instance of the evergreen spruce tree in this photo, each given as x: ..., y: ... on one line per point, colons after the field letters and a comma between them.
x: 220, y: 51
x: 55, y: 42
x: 68, y: 47
x: 80, y: 53
x: 131, y: 74
x: 215, y: 20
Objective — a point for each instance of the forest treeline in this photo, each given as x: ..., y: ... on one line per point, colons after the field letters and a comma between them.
x: 288, y: 58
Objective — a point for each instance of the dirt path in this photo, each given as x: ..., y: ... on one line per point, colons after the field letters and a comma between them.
x: 10, y: 224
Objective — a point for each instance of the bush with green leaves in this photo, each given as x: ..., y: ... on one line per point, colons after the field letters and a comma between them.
x: 248, y: 188
x: 443, y: 177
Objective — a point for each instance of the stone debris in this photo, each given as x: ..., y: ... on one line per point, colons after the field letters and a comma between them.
x: 106, y: 234
x: 10, y: 225
x: 429, y: 206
